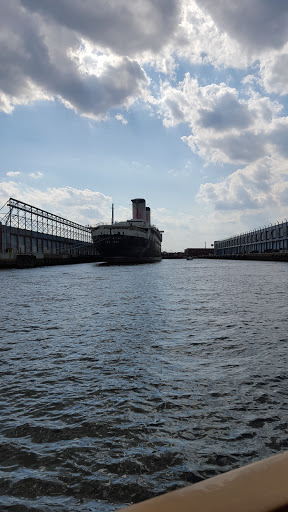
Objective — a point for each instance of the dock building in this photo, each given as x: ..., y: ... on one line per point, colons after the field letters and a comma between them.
x: 30, y: 235
x: 199, y: 252
x: 270, y: 239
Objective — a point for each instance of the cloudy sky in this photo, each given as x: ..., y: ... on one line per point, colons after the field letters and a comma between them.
x: 182, y: 102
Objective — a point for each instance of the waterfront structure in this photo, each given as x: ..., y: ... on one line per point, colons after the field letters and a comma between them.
x: 199, y: 252
x: 269, y: 239
x: 27, y: 231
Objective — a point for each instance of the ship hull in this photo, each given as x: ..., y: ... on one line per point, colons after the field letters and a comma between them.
x: 126, y: 248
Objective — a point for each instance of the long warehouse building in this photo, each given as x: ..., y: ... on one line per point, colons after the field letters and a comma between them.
x: 270, y: 239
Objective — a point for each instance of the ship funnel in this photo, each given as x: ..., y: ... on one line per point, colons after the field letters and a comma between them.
x: 139, y: 209
x: 148, y: 218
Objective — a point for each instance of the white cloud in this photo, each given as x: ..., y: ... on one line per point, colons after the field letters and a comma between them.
x: 13, y: 173
x: 199, y: 40
x: 257, y: 186
x: 83, y: 206
x: 35, y: 175
x: 37, y: 52
x: 121, y: 118
x: 91, y: 57
x: 226, y: 127
x: 183, y: 230
x: 122, y: 213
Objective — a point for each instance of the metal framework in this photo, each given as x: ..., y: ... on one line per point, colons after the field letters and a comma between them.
x: 25, y: 216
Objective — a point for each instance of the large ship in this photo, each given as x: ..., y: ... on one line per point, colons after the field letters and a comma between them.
x: 131, y: 241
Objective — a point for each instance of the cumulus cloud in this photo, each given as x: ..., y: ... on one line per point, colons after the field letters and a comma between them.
x: 199, y: 40
x: 254, y: 187
x: 83, y: 206
x: 226, y: 127
x: 260, y: 24
x: 92, y: 55
x: 227, y: 113
x: 37, y: 63
x: 124, y: 26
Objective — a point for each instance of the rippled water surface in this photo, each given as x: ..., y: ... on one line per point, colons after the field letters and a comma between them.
x: 121, y: 383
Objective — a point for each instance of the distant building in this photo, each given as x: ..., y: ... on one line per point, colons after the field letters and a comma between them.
x: 199, y: 252
x: 172, y: 255
x: 269, y: 239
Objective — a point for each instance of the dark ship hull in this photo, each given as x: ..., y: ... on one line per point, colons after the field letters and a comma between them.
x: 133, y: 241
x: 125, y: 248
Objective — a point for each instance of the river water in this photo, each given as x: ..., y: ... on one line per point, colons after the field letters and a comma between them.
x: 121, y: 383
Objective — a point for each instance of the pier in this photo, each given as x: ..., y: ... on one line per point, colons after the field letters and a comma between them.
x: 30, y: 236
x: 267, y: 243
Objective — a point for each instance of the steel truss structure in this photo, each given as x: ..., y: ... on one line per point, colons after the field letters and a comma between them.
x: 25, y: 216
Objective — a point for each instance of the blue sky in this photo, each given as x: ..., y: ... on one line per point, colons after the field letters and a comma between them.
x: 182, y: 102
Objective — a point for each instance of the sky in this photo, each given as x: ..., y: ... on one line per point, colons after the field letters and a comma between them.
x: 181, y: 102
